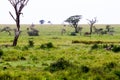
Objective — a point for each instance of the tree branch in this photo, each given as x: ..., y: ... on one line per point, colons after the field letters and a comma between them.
x: 22, y: 4
x: 12, y: 2
x: 12, y: 16
x: 26, y: 2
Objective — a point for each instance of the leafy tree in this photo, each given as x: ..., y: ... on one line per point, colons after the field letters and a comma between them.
x: 91, y: 23
x: 73, y: 21
x: 49, y: 22
x: 42, y: 21
x: 18, y: 5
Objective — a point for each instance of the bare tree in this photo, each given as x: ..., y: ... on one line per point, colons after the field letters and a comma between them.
x: 91, y: 23
x: 73, y: 21
x: 18, y: 5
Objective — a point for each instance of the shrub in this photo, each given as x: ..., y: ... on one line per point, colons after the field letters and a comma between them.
x: 47, y: 45
x: 109, y: 66
x: 43, y: 46
x: 97, y: 77
x: 1, y: 52
x: 111, y: 77
x: 116, y: 48
x: 33, y: 33
x: 75, y: 41
x: 22, y: 58
x: 73, y: 34
x: 5, y: 77
x: 105, y: 46
x: 25, y: 48
x: 31, y: 43
x: 95, y: 46
x: 60, y: 64
x: 85, y: 69
x: 117, y: 72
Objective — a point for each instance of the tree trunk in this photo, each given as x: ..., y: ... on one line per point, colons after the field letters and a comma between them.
x: 91, y: 29
x: 17, y: 33
x: 76, y: 29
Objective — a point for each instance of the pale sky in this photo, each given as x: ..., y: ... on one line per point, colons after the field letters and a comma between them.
x: 56, y: 11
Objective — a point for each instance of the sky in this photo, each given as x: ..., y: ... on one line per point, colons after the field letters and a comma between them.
x: 56, y: 11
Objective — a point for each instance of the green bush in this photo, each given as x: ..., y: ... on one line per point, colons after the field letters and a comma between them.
x: 85, y: 69
x: 117, y: 73
x: 109, y: 66
x: 31, y: 43
x: 1, y: 52
x: 47, y: 45
x: 73, y: 34
x: 75, y: 41
x: 60, y: 64
x: 104, y: 45
x: 22, y: 58
x: 95, y: 46
x: 5, y: 77
x: 25, y: 48
x: 97, y: 77
x: 116, y: 49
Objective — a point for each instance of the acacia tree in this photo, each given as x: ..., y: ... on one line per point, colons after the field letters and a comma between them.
x: 91, y: 23
x: 42, y: 21
x: 18, y: 5
x: 73, y: 21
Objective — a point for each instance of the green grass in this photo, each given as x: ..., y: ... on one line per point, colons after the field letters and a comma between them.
x: 79, y: 60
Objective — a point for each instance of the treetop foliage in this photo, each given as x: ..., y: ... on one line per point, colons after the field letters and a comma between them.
x: 73, y: 19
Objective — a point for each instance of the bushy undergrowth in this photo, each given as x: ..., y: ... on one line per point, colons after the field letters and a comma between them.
x: 93, y: 42
x: 117, y: 73
x: 95, y: 46
x: 116, y: 48
x: 109, y: 66
x: 1, y: 52
x: 47, y: 45
x: 60, y: 64
x: 31, y: 43
x: 108, y: 47
x: 85, y: 69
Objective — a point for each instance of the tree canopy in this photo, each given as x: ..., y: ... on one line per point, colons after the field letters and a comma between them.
x: 42, y: 21
x: 74, y: 20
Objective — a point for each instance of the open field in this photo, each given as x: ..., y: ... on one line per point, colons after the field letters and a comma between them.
x: 60, y: 57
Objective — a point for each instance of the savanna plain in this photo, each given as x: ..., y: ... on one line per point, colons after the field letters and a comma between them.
x: 52, y: 56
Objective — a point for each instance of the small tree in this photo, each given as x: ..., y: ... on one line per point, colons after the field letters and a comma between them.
x: 91, y: 23
x: 42, y: 21
x: 73, y: 20
x: 18, y: 5
x: 49, y: 22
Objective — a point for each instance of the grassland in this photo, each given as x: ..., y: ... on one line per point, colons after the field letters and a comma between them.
x: 60, y: 57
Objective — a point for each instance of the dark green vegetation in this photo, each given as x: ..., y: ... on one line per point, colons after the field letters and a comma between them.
x: 52, y: 56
